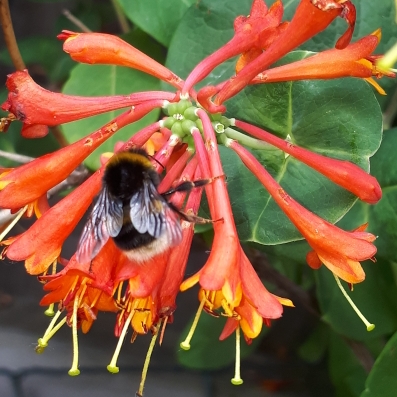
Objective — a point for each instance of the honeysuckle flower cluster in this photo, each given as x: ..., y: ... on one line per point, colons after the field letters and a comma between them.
x: 185, y: 144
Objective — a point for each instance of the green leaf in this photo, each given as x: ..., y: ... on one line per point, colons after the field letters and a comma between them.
x: 347, y: 375
x: 100, y: 80
x: 382, y: 217
x: 156, y: 17
x: 376, y: 297
x: 328, y: 117
x: 382, y: 380
x: 315, y: 346
x: 207, y: 352
x: 143, y: 42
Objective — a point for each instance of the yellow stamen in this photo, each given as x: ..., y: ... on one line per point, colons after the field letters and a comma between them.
x: 165, y: 321
x: 228, y: 311
x: 50, y: 332
x: 185, y: 345
x: 83, y: 288
x: 95, y: 300
x: 236, y: 380
x: 120, y: 288
x: 52, y: 323
x: 147, y: 361
x: 112, y: 367
x: 14, y: 221
x: 50, y: 310
x: 377, y: 87
x: 369, y: 326
x: 74, y: 370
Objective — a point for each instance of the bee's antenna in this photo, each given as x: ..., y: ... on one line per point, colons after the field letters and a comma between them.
x: 158, y: 162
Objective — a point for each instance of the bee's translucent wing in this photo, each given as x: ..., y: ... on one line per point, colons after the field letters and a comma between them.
x: 150, y: 213
x: 106, y: 220
x: 173, y: 227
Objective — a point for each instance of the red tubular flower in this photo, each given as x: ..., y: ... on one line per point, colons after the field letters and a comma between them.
x: 339, y: 250
x: 257, y: 31
x: 311, y: 17
x: 177, y: 261
x: 100, y: 48
x: 343, y: 173
x: 41, y: 244
x: 355, y: 60
x: 99, y: 274
x: 227, y: 278
x: 27, y: 183
x: 34, y: 105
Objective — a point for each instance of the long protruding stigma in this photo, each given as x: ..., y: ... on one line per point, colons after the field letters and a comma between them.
x: 185, y: 345
x: 369, y: 326
x: 236, y: 380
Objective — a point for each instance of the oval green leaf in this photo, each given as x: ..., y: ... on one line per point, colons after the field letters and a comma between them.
x: 156, y: 17
x: 382, y: 380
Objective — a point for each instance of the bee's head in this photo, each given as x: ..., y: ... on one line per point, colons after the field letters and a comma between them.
x: 127, y: 172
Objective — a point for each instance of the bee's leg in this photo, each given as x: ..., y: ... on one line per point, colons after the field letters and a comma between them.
x: 192, y: 218
x: 189, y: 185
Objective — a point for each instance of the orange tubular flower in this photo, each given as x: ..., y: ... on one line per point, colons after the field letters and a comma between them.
x: 343, y: 173
x: 41, y: 244
x: 34, y: 105
x: 100, y: 48
x: 337, y: 249
x: 355, y: 60
x: 45, y: 172
x: 311, y: 17
x: 255, y: 32
x: 227, y: 279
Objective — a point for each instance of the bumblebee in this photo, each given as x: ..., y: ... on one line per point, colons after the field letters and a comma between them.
x: 130, y: 210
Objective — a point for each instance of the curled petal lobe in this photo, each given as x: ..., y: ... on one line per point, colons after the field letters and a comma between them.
x: 267, y: 305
